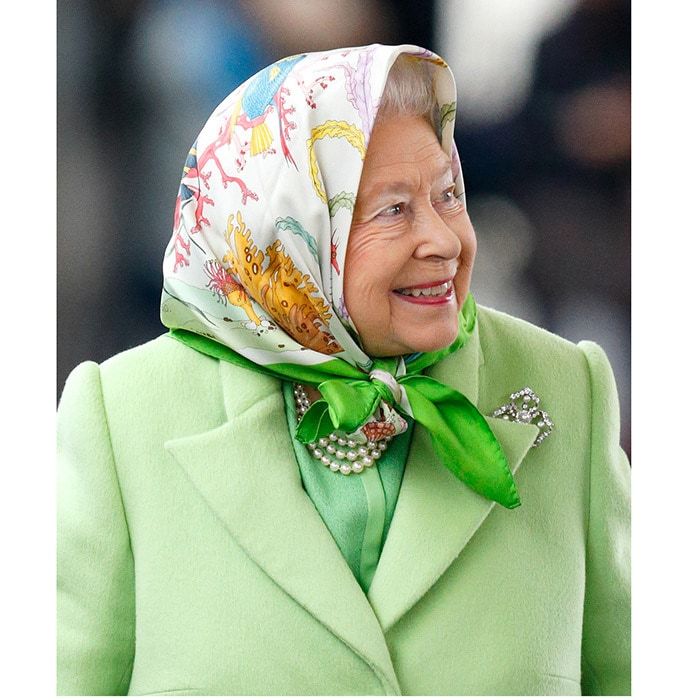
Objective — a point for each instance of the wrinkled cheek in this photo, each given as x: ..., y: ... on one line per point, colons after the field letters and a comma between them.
x: 364, y: 303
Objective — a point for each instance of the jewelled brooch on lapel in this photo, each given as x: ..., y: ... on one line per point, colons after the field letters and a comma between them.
x: 524, y: 407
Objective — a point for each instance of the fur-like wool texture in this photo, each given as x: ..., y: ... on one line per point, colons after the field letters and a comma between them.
x: 192, y: 562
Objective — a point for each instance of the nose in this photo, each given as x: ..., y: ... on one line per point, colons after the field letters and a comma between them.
x: 435, y: 239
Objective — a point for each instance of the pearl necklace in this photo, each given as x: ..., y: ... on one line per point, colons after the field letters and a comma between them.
x: 337, y: 451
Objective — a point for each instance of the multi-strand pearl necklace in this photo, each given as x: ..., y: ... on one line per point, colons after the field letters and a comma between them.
x: 338, y: 452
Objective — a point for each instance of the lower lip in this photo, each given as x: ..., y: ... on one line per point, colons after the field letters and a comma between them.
x: 427, y: 301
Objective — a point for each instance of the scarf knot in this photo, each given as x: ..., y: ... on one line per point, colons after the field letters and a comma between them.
x: 387, y: 386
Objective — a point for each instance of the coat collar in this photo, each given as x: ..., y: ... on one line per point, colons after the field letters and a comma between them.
x: 254, y: 487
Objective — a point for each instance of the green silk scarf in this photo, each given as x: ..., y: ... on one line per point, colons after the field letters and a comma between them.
x: 460, y: 435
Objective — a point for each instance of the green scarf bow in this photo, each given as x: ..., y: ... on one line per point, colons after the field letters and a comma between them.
x: 460, y: 435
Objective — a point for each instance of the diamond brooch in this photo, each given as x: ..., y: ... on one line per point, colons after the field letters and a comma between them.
x: 524, y: 407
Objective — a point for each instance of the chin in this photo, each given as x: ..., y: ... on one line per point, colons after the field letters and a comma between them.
x: 434, y: 341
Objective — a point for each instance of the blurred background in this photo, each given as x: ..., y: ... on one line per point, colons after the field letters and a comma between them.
x: 543, y: 130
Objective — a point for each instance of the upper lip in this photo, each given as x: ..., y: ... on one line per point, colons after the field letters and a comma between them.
x: 425, y: 285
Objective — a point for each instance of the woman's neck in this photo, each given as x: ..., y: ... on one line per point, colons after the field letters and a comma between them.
x: 312, y: 393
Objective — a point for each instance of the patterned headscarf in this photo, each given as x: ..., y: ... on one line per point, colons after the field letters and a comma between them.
x: 254, y: 270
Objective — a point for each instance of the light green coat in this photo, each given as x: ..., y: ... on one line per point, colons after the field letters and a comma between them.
x: 192, y: 562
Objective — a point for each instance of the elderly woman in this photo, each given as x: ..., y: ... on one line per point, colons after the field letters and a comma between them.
x: 336, y: 474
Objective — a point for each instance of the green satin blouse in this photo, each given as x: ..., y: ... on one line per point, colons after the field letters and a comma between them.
x: 357, y: 509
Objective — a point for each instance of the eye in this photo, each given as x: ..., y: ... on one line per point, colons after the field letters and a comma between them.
x: 393, y: 210
x: 448, y: 199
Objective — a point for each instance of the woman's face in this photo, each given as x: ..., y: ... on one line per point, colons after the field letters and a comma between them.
x: 411, y: 248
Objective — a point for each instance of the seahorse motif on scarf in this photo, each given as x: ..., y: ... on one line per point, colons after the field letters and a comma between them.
x: 289, y: 296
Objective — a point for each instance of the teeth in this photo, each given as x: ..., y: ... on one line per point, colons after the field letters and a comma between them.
x: 436, y: 291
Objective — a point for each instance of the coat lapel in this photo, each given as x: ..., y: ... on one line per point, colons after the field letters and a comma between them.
x: 249, y: 477
x: 436, y: 514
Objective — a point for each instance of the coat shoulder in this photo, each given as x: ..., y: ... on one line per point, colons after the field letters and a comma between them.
x: 161, y: 352
x: 161, y: 380
x: 518, y: 354
x: 161, y: 369
x: 499, y: 328
x: 513, y: 342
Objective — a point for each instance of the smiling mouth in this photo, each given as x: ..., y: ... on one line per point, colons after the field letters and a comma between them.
x: 430, y: 293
